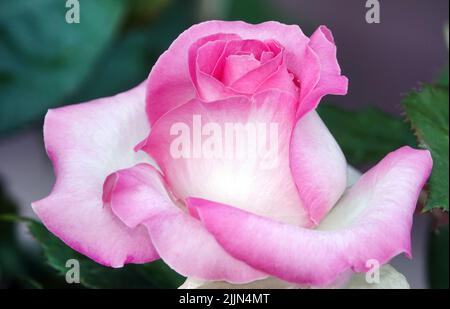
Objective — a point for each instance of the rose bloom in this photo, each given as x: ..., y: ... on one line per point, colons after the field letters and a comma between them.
x: 123, y: 196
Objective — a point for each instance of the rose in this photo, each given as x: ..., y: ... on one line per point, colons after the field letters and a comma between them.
x: 121, y: 197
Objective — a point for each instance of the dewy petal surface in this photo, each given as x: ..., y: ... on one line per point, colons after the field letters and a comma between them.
x: 260, y: 182
x: 86, y: 142
x: 372, y: 221
x: 137, y: 196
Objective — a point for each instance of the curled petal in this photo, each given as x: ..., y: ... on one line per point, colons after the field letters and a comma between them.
x: 86, y: 143
x: 237, y: 66
x: 249, y: 82
x: 170, y: 83
x: 209, y: 50
x: 137, y: 196
x: 371, y: 222
x: 318, y: 166
x: 331, y: 81
x: 282, y: 80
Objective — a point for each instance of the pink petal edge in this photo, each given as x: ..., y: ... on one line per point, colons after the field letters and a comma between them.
x: 137, y: 195
x: 82, y: 143
x: 318, y: 166
x: 378, y: 214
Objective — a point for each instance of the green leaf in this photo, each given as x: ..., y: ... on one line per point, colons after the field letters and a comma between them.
x: 10, y: 257
x: 427, y: 110
x: 20, y: 267
x: 366, y: 135
x: 438, y: 258
x: 443, y: 77
x: 93, y: 275
x: 43, y: 58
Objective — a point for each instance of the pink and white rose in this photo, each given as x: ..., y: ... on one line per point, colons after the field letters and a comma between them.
x: 121, y: 196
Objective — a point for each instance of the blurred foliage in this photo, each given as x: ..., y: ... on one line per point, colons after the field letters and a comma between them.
x: 254, y: 11
x: 9, y: 251
x: 42, y: 58
x: 144, y: 11
x: 20, y: 267
x: 93, y: 275
x: 257, y: 11
x: 438, y: 258
x: 427, y: 110
x: 366, y: 135
x: 130, y: 57
x: 443, y: 78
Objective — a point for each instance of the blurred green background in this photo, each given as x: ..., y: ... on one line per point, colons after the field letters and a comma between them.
x: 46, y: 62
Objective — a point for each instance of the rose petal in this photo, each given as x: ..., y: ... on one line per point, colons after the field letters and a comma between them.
x: 185, y: 245
x: 318, y: 166
x: 266, y: 56
x: 239, y: 47
x: 249, y: 82
x: 211, y: 47
x: 281, y: 80
x: 331, y: 81
x: 170, y: 83
x: 372, y: 221
x: 211, y: 89
x: 87, y: 142
x: 137, y: 196
x: 214, y: 85
x: 237, y: 66
x: 259, y: 182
